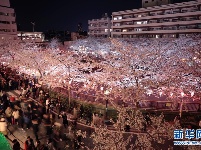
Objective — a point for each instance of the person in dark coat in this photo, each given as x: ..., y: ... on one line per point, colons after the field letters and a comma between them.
x: 35, y: 127
x: 26, y: 120
x: 65, y: 120
x: 16, y: 145
x: 29, y: 144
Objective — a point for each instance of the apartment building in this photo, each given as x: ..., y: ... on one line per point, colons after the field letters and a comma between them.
x: 171, y: 20
x: 100, y: 27
x: 30, y: 36
x: 150, y: 3
x: 8, y: 27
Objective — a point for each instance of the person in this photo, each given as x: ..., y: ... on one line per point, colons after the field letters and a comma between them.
x: 10, y: 82
x: 81, y: 111
x: 41, y: 95
x: 34, y: 89
x: 24, y: 91
x: 20, y: 97
x: 47, y: 102
x: 5, y: 101
x: 29, y: 110
x: 26, y: 120
x: 3, y: 127
x: 56, y: 138
x: 8, y: 113
x: 4, y: 96
x: 35, y: 127
x: 16, y: 145
x: 38, y: 145
x: 29, y: 144
x: 50, y: 145
x: 16, y: 116
x: 20, y: 119
x: 65, y: 120
x: 47, y: 124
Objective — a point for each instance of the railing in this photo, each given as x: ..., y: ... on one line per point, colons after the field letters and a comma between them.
x: 155, y: 104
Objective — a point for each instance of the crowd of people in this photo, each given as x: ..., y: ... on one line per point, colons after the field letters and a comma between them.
x: 25, y: 113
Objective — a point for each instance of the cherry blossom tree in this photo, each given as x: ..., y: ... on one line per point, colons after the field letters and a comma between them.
x: 132, y: 70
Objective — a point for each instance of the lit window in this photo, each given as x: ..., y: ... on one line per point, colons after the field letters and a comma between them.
x: 138, y: 29
x: 110, y: 30
x: 139, y: 22
x: 124, y: 30
x: 144, y: 22
x: 106, y: 30
x: 120, y: 17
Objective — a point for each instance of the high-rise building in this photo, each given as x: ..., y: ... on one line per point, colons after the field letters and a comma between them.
x: 171, y: 20
x: 100, y: 27
x: 150, y: 3
x: 8, y: 27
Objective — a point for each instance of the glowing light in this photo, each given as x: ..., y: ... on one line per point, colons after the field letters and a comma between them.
x: 192, y: 93
x: 107, y: 92
x: 160, y: 93
x: 182, y: 94
x: 70, y: 82
x: 149, y: 92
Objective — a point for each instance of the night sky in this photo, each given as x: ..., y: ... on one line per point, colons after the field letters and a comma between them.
x: 66, y: 14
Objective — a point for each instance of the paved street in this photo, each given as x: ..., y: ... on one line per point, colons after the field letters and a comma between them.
x: 21, y: 134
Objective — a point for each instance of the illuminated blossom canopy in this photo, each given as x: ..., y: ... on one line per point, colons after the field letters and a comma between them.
x: 129, y: 69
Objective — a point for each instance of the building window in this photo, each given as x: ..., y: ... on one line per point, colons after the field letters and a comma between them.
x: 117, y: 18
x: 5, y: 22
x: 4, y: 30
x: 106, y: 30
x: 146, y: 1
x: 141, y: 22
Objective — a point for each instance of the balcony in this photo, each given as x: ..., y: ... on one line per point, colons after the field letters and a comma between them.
x: 184, y: 23
x: 178, y: 15
x: 159, y: 32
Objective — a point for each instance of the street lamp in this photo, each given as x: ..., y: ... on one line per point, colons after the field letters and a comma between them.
x: 69, y: 84
x: 107, y: 92
x: 181, y: 104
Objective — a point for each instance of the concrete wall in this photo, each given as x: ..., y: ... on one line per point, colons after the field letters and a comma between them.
x: 5, y: 3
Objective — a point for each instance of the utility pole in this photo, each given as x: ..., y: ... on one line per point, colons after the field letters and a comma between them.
x: 33, y: 24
